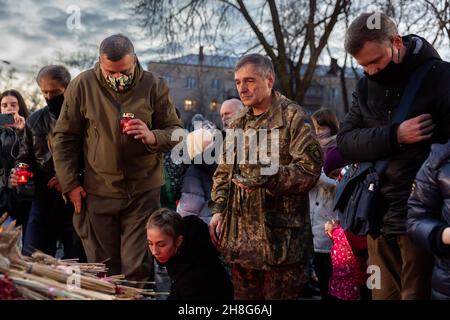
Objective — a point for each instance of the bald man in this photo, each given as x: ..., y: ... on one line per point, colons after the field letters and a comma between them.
x: 228, y: 109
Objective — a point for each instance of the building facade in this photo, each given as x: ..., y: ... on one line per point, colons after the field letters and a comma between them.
x: 200, y: 83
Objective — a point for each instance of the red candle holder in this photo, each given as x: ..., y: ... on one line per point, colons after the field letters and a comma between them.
x: 23, y: 173
x: 126, y: 117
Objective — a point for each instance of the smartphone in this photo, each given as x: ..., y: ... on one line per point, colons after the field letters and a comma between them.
x: 6, y: 118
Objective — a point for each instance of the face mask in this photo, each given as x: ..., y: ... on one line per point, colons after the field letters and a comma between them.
x: 388, y: 74
x: 121, y: 83
x: 55, y: 104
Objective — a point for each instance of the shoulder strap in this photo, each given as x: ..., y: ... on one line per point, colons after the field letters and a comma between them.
x: 411, y: 91
x: 405, y: 103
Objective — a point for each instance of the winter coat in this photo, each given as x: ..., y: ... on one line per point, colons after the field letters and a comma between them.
x: 196, y: 271
x: 34, y: 149
x: 116, y: 164
x: 429, y: 215
x: 321, y: 199
x: 196, y: 192
x: 367, y: 133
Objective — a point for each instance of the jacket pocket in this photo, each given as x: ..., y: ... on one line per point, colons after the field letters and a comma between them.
x: 285, y: 229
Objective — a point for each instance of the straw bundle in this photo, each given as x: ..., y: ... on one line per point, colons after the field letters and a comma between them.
x: 43, y: 277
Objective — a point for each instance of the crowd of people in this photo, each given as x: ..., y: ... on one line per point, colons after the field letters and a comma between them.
x: 104, y: 184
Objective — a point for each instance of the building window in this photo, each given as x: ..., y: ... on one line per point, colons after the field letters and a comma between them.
x: 191, y: 83
x: 168, y: 78
x: 189, y: 105
x: 216, y: 84
x: 314, y: 92
x: 213, y: 105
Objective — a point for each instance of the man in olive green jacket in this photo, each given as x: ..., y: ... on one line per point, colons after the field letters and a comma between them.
x: 123, y: 170
x: 261, y: 217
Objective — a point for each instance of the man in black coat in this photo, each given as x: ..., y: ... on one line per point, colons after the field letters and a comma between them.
x: 367, y: 134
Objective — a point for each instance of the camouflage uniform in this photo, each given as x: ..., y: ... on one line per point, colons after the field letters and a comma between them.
x: 269, y: 229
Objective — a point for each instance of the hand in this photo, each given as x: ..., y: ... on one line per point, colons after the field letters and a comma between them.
x: 241, y: 185
x: 140, y: 130
x: 215, y: 226
x: 54, y: 183
x: 19, y: 121
x: 13, y: 178
x: 76, y: 195
x: 329, y: 225
x: 446, y: 236
x: 416, y: 129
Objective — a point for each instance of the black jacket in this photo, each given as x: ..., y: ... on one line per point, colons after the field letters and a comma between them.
x: 367, y: 133
x: 15, y: 201
x: 429, y: 214
x: 196, y: 271
x: 34, y: 149
x: 9, y: 148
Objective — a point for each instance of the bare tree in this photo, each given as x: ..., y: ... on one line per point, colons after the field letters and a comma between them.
x: 429, y: 18
x: 441, y: 12
x: 293, y: 33
x: 25, y: 84
x: 82, y: 59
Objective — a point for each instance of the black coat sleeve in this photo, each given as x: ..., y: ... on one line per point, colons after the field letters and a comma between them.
x: 26, y: 151
x: 357, y: 143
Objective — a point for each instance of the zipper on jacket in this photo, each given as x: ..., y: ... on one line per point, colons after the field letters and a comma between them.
x: 96, y: 142
x: 123, y: 157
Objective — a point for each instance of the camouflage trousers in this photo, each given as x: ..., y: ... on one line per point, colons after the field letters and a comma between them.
x: 284, y: 283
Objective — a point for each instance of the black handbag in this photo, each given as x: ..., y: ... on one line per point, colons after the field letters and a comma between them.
x: 358, y: 192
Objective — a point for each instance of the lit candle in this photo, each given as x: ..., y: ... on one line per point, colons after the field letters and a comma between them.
x: 126, y: 117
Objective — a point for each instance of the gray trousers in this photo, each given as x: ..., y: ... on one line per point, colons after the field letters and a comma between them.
x: 113, y: 232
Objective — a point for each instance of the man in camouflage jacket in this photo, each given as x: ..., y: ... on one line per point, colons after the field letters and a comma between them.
x: 261, y: 218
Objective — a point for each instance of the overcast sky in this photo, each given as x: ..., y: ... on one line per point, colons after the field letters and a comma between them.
x: 31, y: 31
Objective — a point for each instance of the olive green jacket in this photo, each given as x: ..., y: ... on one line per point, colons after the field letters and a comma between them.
x: 116, y: 165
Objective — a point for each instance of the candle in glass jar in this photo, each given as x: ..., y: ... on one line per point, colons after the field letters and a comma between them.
x: 23, y: 173
x: 126, y: 117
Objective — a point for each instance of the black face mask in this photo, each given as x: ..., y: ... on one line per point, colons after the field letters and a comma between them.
x: 389, y: 74
x: 55, y: 104
x: 392, y: 72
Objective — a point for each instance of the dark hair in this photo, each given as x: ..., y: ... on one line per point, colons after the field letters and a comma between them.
x: 115, y: 47
x: 55, y: 72
x: 326, y: 118
x: 23, y: 110
x: 168, y: 221
x: 262, y: 64
x: 370, y: 26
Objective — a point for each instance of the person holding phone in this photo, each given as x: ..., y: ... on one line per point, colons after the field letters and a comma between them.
x: 12, y: 122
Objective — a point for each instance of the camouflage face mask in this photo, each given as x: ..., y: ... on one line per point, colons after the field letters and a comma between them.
x: 121, y: 83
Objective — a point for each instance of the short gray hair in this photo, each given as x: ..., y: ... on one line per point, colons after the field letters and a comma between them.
x: 54, y: 72
x: 235, y: 102
x: 115, y: 47
x: 361, y: 31
x: 262, y: 64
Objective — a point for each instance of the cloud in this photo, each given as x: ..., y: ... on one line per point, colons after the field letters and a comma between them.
x: 33, y: 31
